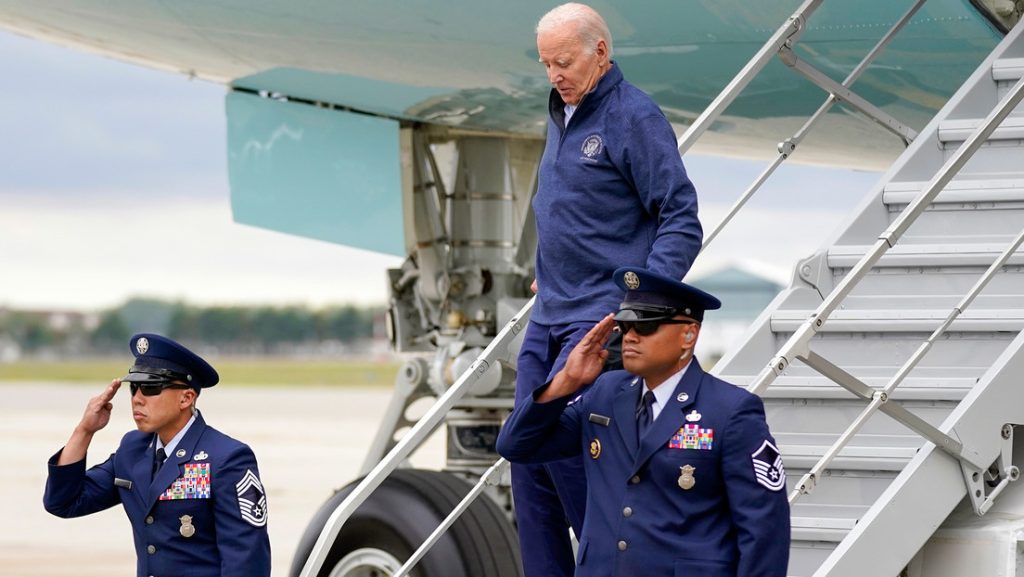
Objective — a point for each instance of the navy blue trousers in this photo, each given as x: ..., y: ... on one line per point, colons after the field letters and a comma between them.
x: 549, y: 498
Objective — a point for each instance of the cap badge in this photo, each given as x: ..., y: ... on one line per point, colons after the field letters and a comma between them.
x: 686, y: 480
x: 200, y: 456
x: 595, y: 448
x: 682, y: 397
x: 694, y: 416
x: 142, y: 345
x: 187, y: 529
x: 179, y: 453
x: 632, y: 281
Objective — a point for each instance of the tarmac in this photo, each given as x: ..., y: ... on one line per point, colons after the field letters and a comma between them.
x: 308, y: 441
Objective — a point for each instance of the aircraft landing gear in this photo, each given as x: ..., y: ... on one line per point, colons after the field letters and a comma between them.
x: 398, y: 517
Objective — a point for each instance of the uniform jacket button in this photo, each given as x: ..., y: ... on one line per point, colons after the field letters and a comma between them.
x: 623, y: 545
x: 149, y: 520
x: 627, y: 512
x: 151, y: 549
x: 635, y: 479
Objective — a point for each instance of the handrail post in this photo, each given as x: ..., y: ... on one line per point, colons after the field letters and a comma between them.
x: 798, y: 344
x: 491, y: 477
x: 789, y: 31
x: 416, y: 435
x: 788, y: 146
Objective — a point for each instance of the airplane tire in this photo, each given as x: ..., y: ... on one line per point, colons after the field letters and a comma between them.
x: 399, y: 516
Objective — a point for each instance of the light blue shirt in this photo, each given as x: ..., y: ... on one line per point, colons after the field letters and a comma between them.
x: 664, y: 391
x: 169, y: 449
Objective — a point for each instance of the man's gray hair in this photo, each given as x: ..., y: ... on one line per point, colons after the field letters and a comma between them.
x: 590, y: 27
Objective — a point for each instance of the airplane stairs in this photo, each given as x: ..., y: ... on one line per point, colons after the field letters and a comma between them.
x: 939, y: 442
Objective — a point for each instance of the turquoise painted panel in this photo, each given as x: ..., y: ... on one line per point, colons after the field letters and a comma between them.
x: 315, y: 172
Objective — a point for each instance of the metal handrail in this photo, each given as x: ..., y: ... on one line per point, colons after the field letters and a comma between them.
x: 798, y: 345
x: 807, y: 483
x: 416, y: 435
x: 788, y: 33
x: 491, y: 477
x: 788, y: 146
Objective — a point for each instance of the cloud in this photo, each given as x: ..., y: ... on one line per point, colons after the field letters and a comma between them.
x: 88, y: 254
x: 75, y: 119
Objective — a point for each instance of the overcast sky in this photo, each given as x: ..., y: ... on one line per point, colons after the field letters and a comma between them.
x: 114, y: 184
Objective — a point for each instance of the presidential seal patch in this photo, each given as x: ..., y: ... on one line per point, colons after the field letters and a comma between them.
x: 768, y: 468
x: 252, y: 499
x: 592, y: 146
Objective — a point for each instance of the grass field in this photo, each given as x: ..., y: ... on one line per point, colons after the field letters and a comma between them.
x: 232, y: 371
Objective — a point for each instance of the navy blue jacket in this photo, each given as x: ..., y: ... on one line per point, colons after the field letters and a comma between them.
x: 702, y: 495
x: 612, y: 191
x: 211, y: 478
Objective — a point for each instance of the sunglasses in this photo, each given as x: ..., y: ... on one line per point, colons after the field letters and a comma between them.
x: 151, y: 390
x: 646, y: 328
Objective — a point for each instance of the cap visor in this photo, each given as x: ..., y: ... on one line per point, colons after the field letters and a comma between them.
x: 144, y: 378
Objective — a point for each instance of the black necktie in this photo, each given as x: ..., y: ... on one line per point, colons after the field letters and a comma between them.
x: 158, y: 460
x: 644, y: 415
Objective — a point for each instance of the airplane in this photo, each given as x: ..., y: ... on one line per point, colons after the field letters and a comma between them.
x: 345, y: 120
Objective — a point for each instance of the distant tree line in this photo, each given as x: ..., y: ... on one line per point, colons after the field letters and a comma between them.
x: 241, y: 329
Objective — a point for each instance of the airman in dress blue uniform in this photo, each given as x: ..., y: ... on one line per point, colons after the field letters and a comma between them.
x: 683, y: 475
x: 193, y: 494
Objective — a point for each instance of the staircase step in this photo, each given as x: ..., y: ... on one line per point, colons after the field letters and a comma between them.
x: 952, y: 131
x: 850, y: 458
x: 819, y: 387
x: 1008, y: 69
x: 903, y: 320
x: 958, y: 191
x: 926, y: 255
x: 820, y: 528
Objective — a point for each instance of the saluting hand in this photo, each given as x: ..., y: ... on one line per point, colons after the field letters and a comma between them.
x: 97, y: 415
x: 584, y: 364
x: 97, y: 412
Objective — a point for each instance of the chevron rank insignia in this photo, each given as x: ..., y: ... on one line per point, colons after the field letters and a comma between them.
x: 768, y: 470
x: 252, y: 500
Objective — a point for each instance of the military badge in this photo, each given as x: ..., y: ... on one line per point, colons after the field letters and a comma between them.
x: 632, y: 281
x: 682, y: 397
x: 694, y: 416
x: 692, y: 437
x: 142, y: 345
x: 194, y: 483
x: 200, y: 456
x: 595, y: 448
x: 768, y: 470
x: 187, y: 529
x: 686, y: 480
x: 252, y: 500
x: 179, y: 453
